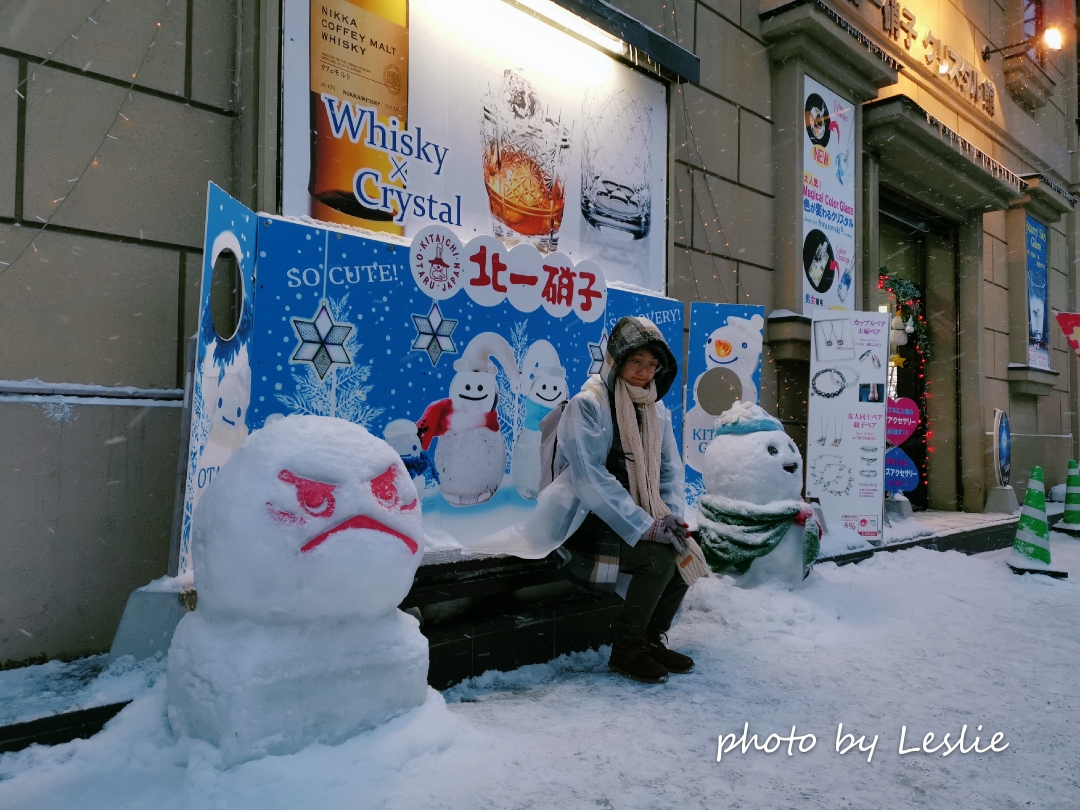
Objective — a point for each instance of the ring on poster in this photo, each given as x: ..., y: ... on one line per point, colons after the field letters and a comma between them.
x: 819, y: 262
x: 818, y: 120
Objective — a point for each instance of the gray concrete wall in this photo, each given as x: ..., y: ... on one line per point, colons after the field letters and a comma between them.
x: 113, y: 117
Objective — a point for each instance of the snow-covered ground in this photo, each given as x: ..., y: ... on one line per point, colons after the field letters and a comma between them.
x: 915, y: 638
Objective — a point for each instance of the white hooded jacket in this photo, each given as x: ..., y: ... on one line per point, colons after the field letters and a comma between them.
x: 585, y: 436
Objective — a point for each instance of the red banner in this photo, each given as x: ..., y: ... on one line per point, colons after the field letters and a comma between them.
x: 1070, y: 325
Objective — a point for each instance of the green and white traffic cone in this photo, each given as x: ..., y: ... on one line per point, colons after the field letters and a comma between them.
x: 1031, y: 548
x: 1070, y: 521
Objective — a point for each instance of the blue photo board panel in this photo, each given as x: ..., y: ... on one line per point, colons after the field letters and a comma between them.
x: 723, y: 364
x: 221, y: 388
x: 668, y: 315
x: 457, y: 382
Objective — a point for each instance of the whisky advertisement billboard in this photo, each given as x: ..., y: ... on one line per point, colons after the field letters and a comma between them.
x: 477, y: 116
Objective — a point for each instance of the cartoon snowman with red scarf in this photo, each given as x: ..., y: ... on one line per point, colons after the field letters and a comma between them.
x: 471, y: 452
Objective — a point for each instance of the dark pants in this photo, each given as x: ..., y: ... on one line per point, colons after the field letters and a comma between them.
x: 654, y: 595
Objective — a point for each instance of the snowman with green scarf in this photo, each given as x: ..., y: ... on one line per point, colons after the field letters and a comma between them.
x: 752, y: 518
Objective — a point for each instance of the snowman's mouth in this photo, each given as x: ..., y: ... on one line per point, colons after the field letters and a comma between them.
x: 359, y: 522
x: 554, y: 397
x: 792, y: 467
x: 724, y: 362
x: 473, y: 399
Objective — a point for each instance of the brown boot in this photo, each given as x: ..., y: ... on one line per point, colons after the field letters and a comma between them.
x: 671, y: 661
x: 635, y: 662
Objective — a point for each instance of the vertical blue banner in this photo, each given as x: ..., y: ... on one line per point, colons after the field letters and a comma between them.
x: 724, y: 364
x: 1038, y: 308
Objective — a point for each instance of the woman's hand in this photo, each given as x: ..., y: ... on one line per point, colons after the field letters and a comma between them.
x: 669, y: 531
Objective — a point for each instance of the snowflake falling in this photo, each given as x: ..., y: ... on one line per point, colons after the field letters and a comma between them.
x: 433, y: 334
x: 321, y: 341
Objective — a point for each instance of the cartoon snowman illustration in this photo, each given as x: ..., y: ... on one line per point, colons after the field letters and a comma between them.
x: 543, y: 384
x: 304, y: 546
x: 471, y: 453
x: 752, y: 517
x: 403, y: 436
x: 731, y: 350
x: 226, y: 401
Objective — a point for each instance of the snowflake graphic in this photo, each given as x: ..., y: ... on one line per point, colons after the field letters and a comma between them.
x: 433, y: 334
x: 344, y: 393
x: 321, y: 341
x: 596, y: 354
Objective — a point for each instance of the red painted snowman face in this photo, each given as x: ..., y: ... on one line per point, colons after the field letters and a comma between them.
x: 316, y: 499
x: 314, y: 518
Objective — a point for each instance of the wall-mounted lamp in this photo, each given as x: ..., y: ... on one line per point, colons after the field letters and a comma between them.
x: 1050, y: 39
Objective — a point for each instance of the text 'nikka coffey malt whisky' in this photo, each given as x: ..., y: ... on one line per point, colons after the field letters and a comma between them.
x: 359, y: 102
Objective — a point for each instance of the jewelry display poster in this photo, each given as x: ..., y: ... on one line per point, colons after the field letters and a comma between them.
x: 451, y: 351
x: 828, y: 232
x: 846, y: 428
x: 723, y: 365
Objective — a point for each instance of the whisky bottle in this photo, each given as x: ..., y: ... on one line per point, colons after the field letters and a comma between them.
x: 359, y: 61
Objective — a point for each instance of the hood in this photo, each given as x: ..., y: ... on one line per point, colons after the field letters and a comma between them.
x: 629, y: 335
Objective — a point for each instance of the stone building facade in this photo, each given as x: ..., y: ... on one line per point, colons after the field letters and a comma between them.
x: 113, y: 117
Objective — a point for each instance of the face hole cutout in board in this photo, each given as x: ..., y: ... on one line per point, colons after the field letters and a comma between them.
x: 717, y: 390
x: 226, y: 295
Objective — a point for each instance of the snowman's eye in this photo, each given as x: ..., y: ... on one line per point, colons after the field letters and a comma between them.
x: 237, y: 413
x: 220, y: 402
x: 479, y: 388
x: 468, y: 388
x: 744, y: 346
x: 543, y: 388
x: 384, y: 487
x: 772, y: 450
x: 792, y: 448
x: 314, y: 497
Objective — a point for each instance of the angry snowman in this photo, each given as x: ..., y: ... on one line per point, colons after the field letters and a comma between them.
x: 752, y: 518
x: 303, y: 547
x: 471, y: 453
x: 543, y: 384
